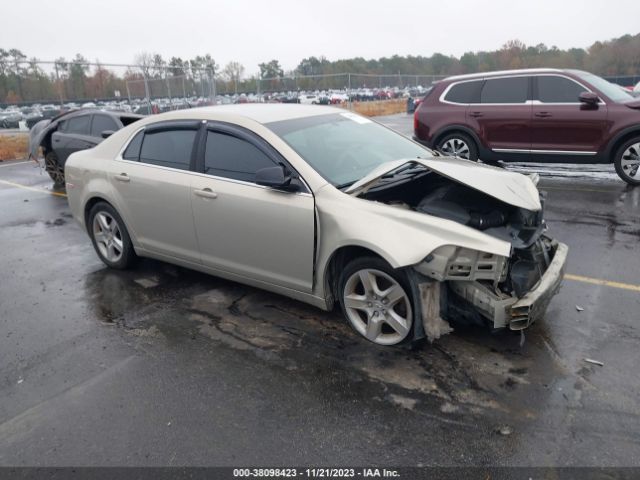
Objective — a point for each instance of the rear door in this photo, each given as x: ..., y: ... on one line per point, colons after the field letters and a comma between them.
x: 247, y: 229
x: 502, y: 118
x: 73, y: 135
x: 562, y: 125
x: 153, y: 181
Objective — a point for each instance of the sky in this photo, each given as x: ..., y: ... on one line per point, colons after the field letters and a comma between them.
x: 252, y: 32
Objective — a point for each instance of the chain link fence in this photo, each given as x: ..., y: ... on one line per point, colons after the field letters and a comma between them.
x: 69, y: 84
x: 158, y: 88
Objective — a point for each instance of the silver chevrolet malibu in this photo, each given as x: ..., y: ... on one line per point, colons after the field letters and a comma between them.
x: 327, y: 207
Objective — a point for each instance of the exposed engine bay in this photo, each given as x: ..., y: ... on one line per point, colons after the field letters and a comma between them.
x: 453, y: 201
x: 490, y: 284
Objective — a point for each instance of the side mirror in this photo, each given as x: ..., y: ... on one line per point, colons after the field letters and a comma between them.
x: 275, y: 177
x: 589, y: 98
x: 107, y: 133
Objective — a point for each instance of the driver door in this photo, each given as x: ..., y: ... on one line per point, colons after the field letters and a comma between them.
x: 246, y: 229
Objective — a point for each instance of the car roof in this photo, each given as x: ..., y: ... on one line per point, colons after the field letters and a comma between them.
x: 258, y: 112
x: 85, y: 111
x: 522, y: 71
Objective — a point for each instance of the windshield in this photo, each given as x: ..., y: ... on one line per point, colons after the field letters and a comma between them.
x: 344, y: 147
x: 611, y: 90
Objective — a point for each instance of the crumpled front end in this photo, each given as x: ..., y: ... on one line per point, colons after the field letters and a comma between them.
x: 504, y: 292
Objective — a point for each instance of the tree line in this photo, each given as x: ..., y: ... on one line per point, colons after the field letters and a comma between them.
x: 24, y: 78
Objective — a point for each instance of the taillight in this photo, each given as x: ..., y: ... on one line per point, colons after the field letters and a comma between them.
x: 415, y: 121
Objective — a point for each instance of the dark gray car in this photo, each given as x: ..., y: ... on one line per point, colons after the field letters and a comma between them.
x: 72, y: 132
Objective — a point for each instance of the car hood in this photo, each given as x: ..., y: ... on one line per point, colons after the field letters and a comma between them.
x: 635, y: 104
x: 509, y: 187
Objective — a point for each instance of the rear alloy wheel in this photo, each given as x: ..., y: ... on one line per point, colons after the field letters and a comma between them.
x: 458, y: 145
x: 375, y: 301
x: 54, y: 169
x: 627, y: 161
x: 110, y: 237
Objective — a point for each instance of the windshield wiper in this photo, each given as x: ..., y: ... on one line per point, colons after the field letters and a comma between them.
x: 345, y: 185
x: 402, y: 169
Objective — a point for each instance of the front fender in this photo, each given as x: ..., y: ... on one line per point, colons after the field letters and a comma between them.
x: 402, y: 237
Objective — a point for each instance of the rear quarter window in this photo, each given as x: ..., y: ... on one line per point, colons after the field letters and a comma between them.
x: 465, y: 92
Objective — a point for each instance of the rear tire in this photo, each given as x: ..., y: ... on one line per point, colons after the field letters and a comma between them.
x: 110, y: 237
x: 627, y: 161
x: 458, y: 145
x: 54, y: 169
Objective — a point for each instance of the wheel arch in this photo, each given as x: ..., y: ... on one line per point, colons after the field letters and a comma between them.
x: 617, y: 141
x: 443, y: 132
x: 90, y: 203
x: 336, y: 262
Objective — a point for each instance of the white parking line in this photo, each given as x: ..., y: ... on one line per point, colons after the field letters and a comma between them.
x: 17, y: 163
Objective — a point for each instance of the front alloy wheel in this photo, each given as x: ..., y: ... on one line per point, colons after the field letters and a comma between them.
x: 627, y: 162
x: 377, y: 306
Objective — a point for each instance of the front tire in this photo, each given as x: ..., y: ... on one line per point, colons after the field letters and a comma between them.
x: 376, y: 301
x: 54, y: 169
x: 458, y: 145
x: 110, y: 237
x: 627, y: 161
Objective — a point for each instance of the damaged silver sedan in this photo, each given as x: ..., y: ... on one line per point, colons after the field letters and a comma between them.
x: 326, y: 207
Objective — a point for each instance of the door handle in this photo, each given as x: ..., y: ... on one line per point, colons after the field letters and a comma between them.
x: 206, y: 193
x: 542, y: 114
x: 123, y: 177
x: 476, y: 114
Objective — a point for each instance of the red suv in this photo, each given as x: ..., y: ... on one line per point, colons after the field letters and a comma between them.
x: 536, y: 115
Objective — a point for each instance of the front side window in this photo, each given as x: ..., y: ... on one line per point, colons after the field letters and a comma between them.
x: 168, y: 148
x: 101, y: 123
x: 78, y: 125
x: 554, y: 89
x: 231, y: 157
x: 505, y: 90
x: 465, y: 92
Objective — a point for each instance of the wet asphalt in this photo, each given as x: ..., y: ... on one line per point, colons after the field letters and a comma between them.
x: 164, y: 366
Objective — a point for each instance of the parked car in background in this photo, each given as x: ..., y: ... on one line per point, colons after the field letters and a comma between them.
x: 400, y: 237
x: 309, y: 99
x: 31, y: 116
x: 10, y: 119
x: 72, y: 132
x: 538, y: 115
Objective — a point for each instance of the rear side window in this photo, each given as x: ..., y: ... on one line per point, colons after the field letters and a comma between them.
x: 554, y: 89
x: 231, y: 157
x: 101, y: 123
x: 78, y: 125
x: 466, y: 92
x: 505, y: 90
x: 168, y: 148
x: 133, y: 149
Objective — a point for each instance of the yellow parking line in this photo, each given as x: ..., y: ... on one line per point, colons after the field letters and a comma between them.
x: 606, y: 283
x: 33, y: 189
